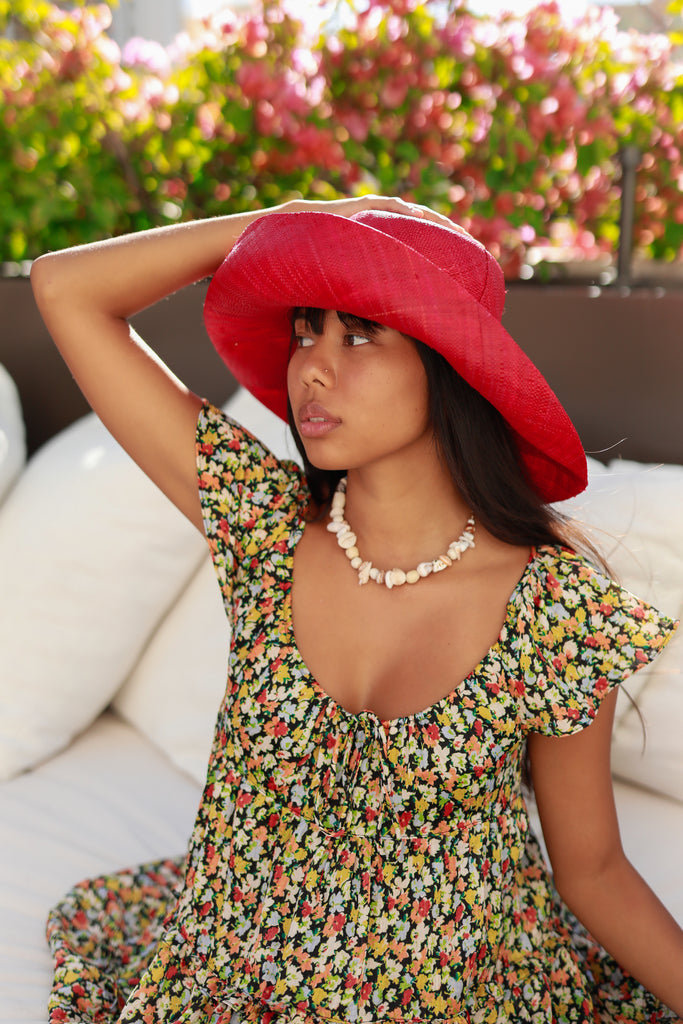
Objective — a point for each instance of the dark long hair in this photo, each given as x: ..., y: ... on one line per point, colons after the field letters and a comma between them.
x: 477, y: 448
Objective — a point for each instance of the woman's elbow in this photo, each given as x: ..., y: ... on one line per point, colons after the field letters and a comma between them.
x: 576, y: 878
x: 44, y: 277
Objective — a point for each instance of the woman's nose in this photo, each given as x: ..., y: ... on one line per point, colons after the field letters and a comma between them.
x: 317, y: 368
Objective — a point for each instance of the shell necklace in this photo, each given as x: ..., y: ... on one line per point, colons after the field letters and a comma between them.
x: 346, y: 539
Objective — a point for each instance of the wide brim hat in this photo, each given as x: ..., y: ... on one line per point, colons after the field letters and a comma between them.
x: 438, y: 285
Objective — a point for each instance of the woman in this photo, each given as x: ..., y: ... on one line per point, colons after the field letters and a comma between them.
x: 362, y: 849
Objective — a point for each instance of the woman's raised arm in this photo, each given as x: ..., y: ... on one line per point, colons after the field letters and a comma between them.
x: 573, y: 786
x: 86, y: 295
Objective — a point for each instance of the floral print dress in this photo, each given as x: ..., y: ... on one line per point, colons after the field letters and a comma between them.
x: 346, y: 869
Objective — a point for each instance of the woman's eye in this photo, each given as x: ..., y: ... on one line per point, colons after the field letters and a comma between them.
x: 304, y: 341
x: 355, y: 340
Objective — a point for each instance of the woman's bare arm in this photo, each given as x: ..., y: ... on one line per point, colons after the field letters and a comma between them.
x: 573, y: 786
x: 86, y: 295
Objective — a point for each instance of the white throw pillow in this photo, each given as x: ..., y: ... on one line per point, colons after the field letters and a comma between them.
x: 174, y: 692
x: 637, y: 509
x: 12, y: 436
x: 92, y: 556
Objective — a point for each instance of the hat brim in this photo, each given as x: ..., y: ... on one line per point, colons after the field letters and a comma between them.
x: 327, y: 261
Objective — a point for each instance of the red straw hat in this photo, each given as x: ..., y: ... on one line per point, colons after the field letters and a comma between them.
x: 437, y: 285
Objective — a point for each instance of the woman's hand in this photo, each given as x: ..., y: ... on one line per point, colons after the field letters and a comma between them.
x: 388, y: 204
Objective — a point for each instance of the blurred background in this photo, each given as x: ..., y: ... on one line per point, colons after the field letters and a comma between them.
x: 529, y: 123
x: 553, y: 131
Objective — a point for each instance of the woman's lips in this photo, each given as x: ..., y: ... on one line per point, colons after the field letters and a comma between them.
x: 316, y: 421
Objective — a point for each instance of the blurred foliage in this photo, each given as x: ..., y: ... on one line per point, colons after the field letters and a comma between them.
x: 512, y: 125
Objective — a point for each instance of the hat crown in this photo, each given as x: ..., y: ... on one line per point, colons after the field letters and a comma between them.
x: 457, y: 253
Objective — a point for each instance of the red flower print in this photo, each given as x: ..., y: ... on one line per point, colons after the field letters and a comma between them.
x: 244, y: 798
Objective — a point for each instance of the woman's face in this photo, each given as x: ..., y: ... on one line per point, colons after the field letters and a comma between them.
x: 359, y: 395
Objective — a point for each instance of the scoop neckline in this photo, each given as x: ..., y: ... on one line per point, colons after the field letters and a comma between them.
x: 433, y: 708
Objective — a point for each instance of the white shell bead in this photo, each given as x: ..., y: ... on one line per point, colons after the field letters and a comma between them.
x: 364, y: 571
x: 374, y: 573
x: 356, y: 561
x: 389, y: 579
x: 346, y: 539
x: 424, y: 568
x: 441, y: 563
x: 352, y: 552
x: 335, y: 526
x: 412, y: 576
x: 398, y: 576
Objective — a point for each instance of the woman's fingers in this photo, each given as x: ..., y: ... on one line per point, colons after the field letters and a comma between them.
x: 390, y: 204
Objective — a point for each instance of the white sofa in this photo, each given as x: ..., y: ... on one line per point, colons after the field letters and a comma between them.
x: 113, y: 647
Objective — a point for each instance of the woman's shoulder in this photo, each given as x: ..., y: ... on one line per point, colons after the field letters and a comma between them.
x: 248, y: 495
x: 558, y: 568
x: 587, y: 634
x: 572, y: 597
x: 229, y: 452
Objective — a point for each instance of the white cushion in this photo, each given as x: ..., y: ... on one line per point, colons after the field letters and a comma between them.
x: 12, y: 437
x: 637, y: 509
x: 110, y: 800
x: 174, y: 692
x: 93, y: 555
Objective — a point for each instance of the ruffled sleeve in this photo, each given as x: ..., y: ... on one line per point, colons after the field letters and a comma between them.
x: 587, y: 635
x: 248, y: 496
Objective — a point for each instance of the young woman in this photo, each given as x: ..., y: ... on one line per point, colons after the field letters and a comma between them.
x: 410, y: 622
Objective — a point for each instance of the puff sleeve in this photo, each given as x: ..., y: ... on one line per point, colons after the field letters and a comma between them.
x: 587, y: 635
x: 248, y: 496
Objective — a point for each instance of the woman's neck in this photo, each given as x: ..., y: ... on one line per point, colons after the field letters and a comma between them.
x: 404, y: 516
